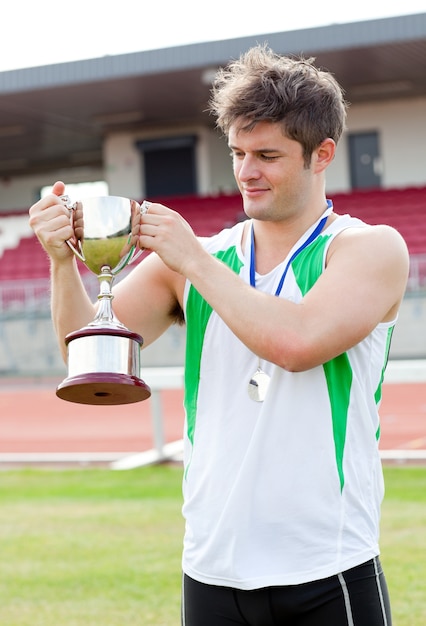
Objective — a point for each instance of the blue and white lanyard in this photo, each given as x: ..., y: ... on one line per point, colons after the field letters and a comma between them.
x: 314, y: 234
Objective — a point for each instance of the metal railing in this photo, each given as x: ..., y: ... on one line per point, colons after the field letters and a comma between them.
x: 417, y: 276
x: 32, y: 296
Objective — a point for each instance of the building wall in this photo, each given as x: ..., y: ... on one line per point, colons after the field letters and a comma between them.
x: 124, y: 163
x: 401, y: 125
x: 122, y: 166
x: 17, y: 194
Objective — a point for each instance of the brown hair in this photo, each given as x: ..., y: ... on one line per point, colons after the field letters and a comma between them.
x: 264, y: 86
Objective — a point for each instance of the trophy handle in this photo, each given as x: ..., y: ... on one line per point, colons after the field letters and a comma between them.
x: 72, y: 206
x: 133, y: 254
x: 143, y: 209
x: 77, y: 253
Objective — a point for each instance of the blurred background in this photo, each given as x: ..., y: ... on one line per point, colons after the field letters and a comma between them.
x: 135, y: 124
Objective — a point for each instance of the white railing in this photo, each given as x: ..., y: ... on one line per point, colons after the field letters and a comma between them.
x: 172, y: 378
x: 158, y: 378
x: 417, y: 276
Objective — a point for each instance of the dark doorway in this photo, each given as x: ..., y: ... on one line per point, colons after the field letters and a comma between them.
x: 169, y: 166
x: 365, y: 161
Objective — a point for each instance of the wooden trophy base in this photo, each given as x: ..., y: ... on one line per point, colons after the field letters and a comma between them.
x: 103, y: 388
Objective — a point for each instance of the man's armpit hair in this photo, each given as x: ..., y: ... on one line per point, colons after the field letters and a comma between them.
x: 177, y: 315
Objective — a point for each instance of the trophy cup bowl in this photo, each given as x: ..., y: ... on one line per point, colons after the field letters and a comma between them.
x: 104, y: 356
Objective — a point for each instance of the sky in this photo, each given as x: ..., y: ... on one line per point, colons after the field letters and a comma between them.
x: 46, y: 32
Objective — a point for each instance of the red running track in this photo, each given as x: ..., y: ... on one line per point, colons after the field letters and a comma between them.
x: 34, y: 420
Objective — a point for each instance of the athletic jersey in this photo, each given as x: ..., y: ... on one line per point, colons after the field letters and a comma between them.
x: 288, y: 490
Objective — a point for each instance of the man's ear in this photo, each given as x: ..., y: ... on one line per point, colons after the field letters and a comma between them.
x: 324, y: 155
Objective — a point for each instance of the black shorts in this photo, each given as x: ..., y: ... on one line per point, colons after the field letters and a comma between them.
x: 356, y: 597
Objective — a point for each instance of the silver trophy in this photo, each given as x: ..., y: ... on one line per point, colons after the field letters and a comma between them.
x: 104, y: 356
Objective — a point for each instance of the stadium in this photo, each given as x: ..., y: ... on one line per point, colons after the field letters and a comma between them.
x: 138, y: 122
x: 87, y: 546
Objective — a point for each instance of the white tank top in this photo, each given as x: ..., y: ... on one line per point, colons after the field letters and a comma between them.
x: 288, y: 490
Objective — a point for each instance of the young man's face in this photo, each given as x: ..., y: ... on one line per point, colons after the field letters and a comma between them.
x: 270, y: 171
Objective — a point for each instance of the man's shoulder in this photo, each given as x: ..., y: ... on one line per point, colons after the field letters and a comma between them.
x: 226, y: 238
x: 380, y: 243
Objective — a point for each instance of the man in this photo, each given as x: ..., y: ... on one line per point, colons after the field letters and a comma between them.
x: 289, y: 317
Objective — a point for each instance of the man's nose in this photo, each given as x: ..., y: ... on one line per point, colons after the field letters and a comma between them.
x: 248, y: 169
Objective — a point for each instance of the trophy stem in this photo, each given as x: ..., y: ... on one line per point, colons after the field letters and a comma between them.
x: 105, y: 315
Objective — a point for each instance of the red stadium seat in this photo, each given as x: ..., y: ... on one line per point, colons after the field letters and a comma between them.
x: 404, y: 209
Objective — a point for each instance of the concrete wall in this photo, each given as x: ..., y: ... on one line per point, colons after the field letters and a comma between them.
x: 409, y: 338
x: 28, y: 345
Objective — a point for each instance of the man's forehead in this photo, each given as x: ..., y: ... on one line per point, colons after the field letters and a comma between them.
x: 264, y: 131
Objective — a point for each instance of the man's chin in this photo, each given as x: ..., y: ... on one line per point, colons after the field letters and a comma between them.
x: 255, y: 211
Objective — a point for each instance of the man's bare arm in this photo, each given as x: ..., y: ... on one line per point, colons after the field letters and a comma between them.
x: 362, y: 286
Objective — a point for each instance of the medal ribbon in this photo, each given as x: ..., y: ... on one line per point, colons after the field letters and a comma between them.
x: 314, y: 234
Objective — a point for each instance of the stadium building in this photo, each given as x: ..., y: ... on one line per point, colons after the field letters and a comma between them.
x: 138, y: 123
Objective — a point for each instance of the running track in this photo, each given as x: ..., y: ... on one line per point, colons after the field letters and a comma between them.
x: 38, y: 428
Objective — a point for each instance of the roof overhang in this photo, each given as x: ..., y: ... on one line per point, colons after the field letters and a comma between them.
x: 57, y: 116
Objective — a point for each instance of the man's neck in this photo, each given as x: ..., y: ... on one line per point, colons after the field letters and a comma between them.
x: 274, y: 240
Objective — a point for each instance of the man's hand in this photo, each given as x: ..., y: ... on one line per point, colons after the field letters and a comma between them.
x: 50, y: 220
x: 168, y: 234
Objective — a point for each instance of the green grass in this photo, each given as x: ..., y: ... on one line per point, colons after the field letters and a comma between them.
x: 403, y: 543
x: 90, y: 547
x: 94, y: 547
